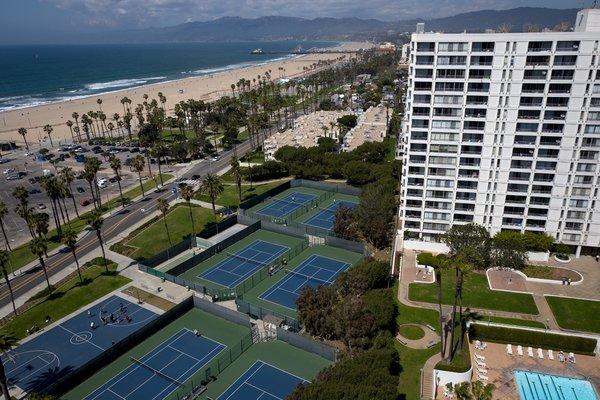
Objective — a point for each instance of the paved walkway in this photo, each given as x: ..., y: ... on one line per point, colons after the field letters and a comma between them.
x: 427, y: 384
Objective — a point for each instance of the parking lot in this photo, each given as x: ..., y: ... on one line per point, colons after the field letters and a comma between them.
x: 20, y: 167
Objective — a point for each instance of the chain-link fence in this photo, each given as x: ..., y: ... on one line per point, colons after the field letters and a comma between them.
x: 307, y: 344
x: 327, y: 186
x: 258, y: 312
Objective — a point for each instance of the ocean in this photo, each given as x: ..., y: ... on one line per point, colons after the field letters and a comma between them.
x: 34, y: 75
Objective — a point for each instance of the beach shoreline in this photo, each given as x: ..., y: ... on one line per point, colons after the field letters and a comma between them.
x: 202, y: 87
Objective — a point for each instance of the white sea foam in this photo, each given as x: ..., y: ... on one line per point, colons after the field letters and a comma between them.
x: 120, y: 83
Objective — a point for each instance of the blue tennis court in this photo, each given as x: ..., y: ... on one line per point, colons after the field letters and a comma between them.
x: 63, y: 349
x: 262, y: 381
x: 239, y: 266
x: 314, y: 271
x: 161, y: 371
x: 280, y: 207
x: 324, y: 218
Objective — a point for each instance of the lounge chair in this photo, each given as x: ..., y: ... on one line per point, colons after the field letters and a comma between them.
x: 572, y: 358
x: 481, y: 364
x: 482, y: 371
x: 520, y: 350
x: 530, y: 351
x: 550, y: 355
x: 561, y: 356
x: 509, y: 349
x: 481, y: 358
x: 540, y: 354
x: 482, y: 377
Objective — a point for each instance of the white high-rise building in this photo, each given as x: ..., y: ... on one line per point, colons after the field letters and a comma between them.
x: 503, y: 130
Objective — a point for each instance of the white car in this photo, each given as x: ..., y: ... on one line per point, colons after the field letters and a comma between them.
x: 9, y: 171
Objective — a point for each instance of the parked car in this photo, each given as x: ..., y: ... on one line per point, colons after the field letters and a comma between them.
x: 84, y: 202
x: 12, y: 177
x: 32, y: 180
x: 195, y: 177
x: 80, y: 189
x: 35, y: 191
x: 9, y: 171
x: 41, y: 206
x: 135, y: 150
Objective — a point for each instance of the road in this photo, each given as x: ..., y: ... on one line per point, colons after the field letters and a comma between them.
x: 112, y: 227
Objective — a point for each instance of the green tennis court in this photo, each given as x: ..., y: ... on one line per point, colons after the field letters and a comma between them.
x: 201, y: 272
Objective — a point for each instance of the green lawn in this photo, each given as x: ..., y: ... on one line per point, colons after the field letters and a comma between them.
x: 256, y: 156
x: 545, y: 272
x: 476, y: 293
x: 412, y: 360
x: 153, y: 239
x: 576, y: 314
x: 21, y: 256
x: 411, y: 332
x: 68, y: 298
x: 229, y: 197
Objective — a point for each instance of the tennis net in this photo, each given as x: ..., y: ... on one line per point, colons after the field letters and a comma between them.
x: 293, y: 202
x: 155, y: 371
x: 308, y: 278
x: 233, y: 255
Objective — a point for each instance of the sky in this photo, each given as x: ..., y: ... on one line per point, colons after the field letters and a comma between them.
x: 33, y: 20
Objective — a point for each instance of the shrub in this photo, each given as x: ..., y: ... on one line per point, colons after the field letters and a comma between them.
x: 371, y: 374
x: 267, y: 170
x: 348, y: 121
x: 532, y: 338
x: 429, y: 259
x: 561, y: 249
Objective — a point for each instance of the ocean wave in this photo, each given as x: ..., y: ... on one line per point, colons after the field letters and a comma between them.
x: 245, y: 64
x: 120, y: 83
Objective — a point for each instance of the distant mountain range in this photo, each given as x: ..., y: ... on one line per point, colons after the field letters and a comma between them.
x: 281, y: 28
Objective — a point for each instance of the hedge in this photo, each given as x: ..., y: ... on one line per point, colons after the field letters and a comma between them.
x: 524, y: 337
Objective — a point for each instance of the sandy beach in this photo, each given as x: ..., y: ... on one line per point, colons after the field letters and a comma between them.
x: 205, y: 87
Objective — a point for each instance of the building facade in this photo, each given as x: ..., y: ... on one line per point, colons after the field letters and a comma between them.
x: 503, y: 130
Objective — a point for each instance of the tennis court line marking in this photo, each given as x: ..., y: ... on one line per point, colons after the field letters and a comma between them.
x: 217, y: 267
x: 179, y: 334
x: 116, y: 394
x: 161, y: 347
x: 309, y: 221
x: 262, y: 364
x: 275, y: 201
x: 306, y: 262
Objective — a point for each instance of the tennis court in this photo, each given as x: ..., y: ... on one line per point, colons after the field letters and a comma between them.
x: 325, y: 217
x: 316, y: 270
x: 239, y: 266
x: 162, y: 370
x: 262, y: 381
x: 63, y: 349
x: 281, y: 207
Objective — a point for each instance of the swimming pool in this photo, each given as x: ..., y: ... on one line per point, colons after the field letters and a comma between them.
x: 538, y: 386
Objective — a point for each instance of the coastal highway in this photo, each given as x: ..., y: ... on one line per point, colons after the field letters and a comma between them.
x: 115, y: 224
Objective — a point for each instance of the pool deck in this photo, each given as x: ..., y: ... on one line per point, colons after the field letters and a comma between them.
x: 501, y: 367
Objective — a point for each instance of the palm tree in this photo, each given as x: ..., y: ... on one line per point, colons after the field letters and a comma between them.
x: 6, y: 343
x: 4, y: 213
x: 69, y: 239
x: 212, y: 186
x: 48, y: 129
x: 23, y: 132
x: 163, y: 207
x: 236, y: 172
x: 115, y: 164
x: 39, y: 247
x: 187, y: 193
x: 4, y: 260
x: 95, y: 221
x: 138, y: 164
x: 91, y: 168
x: 68, y: 176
